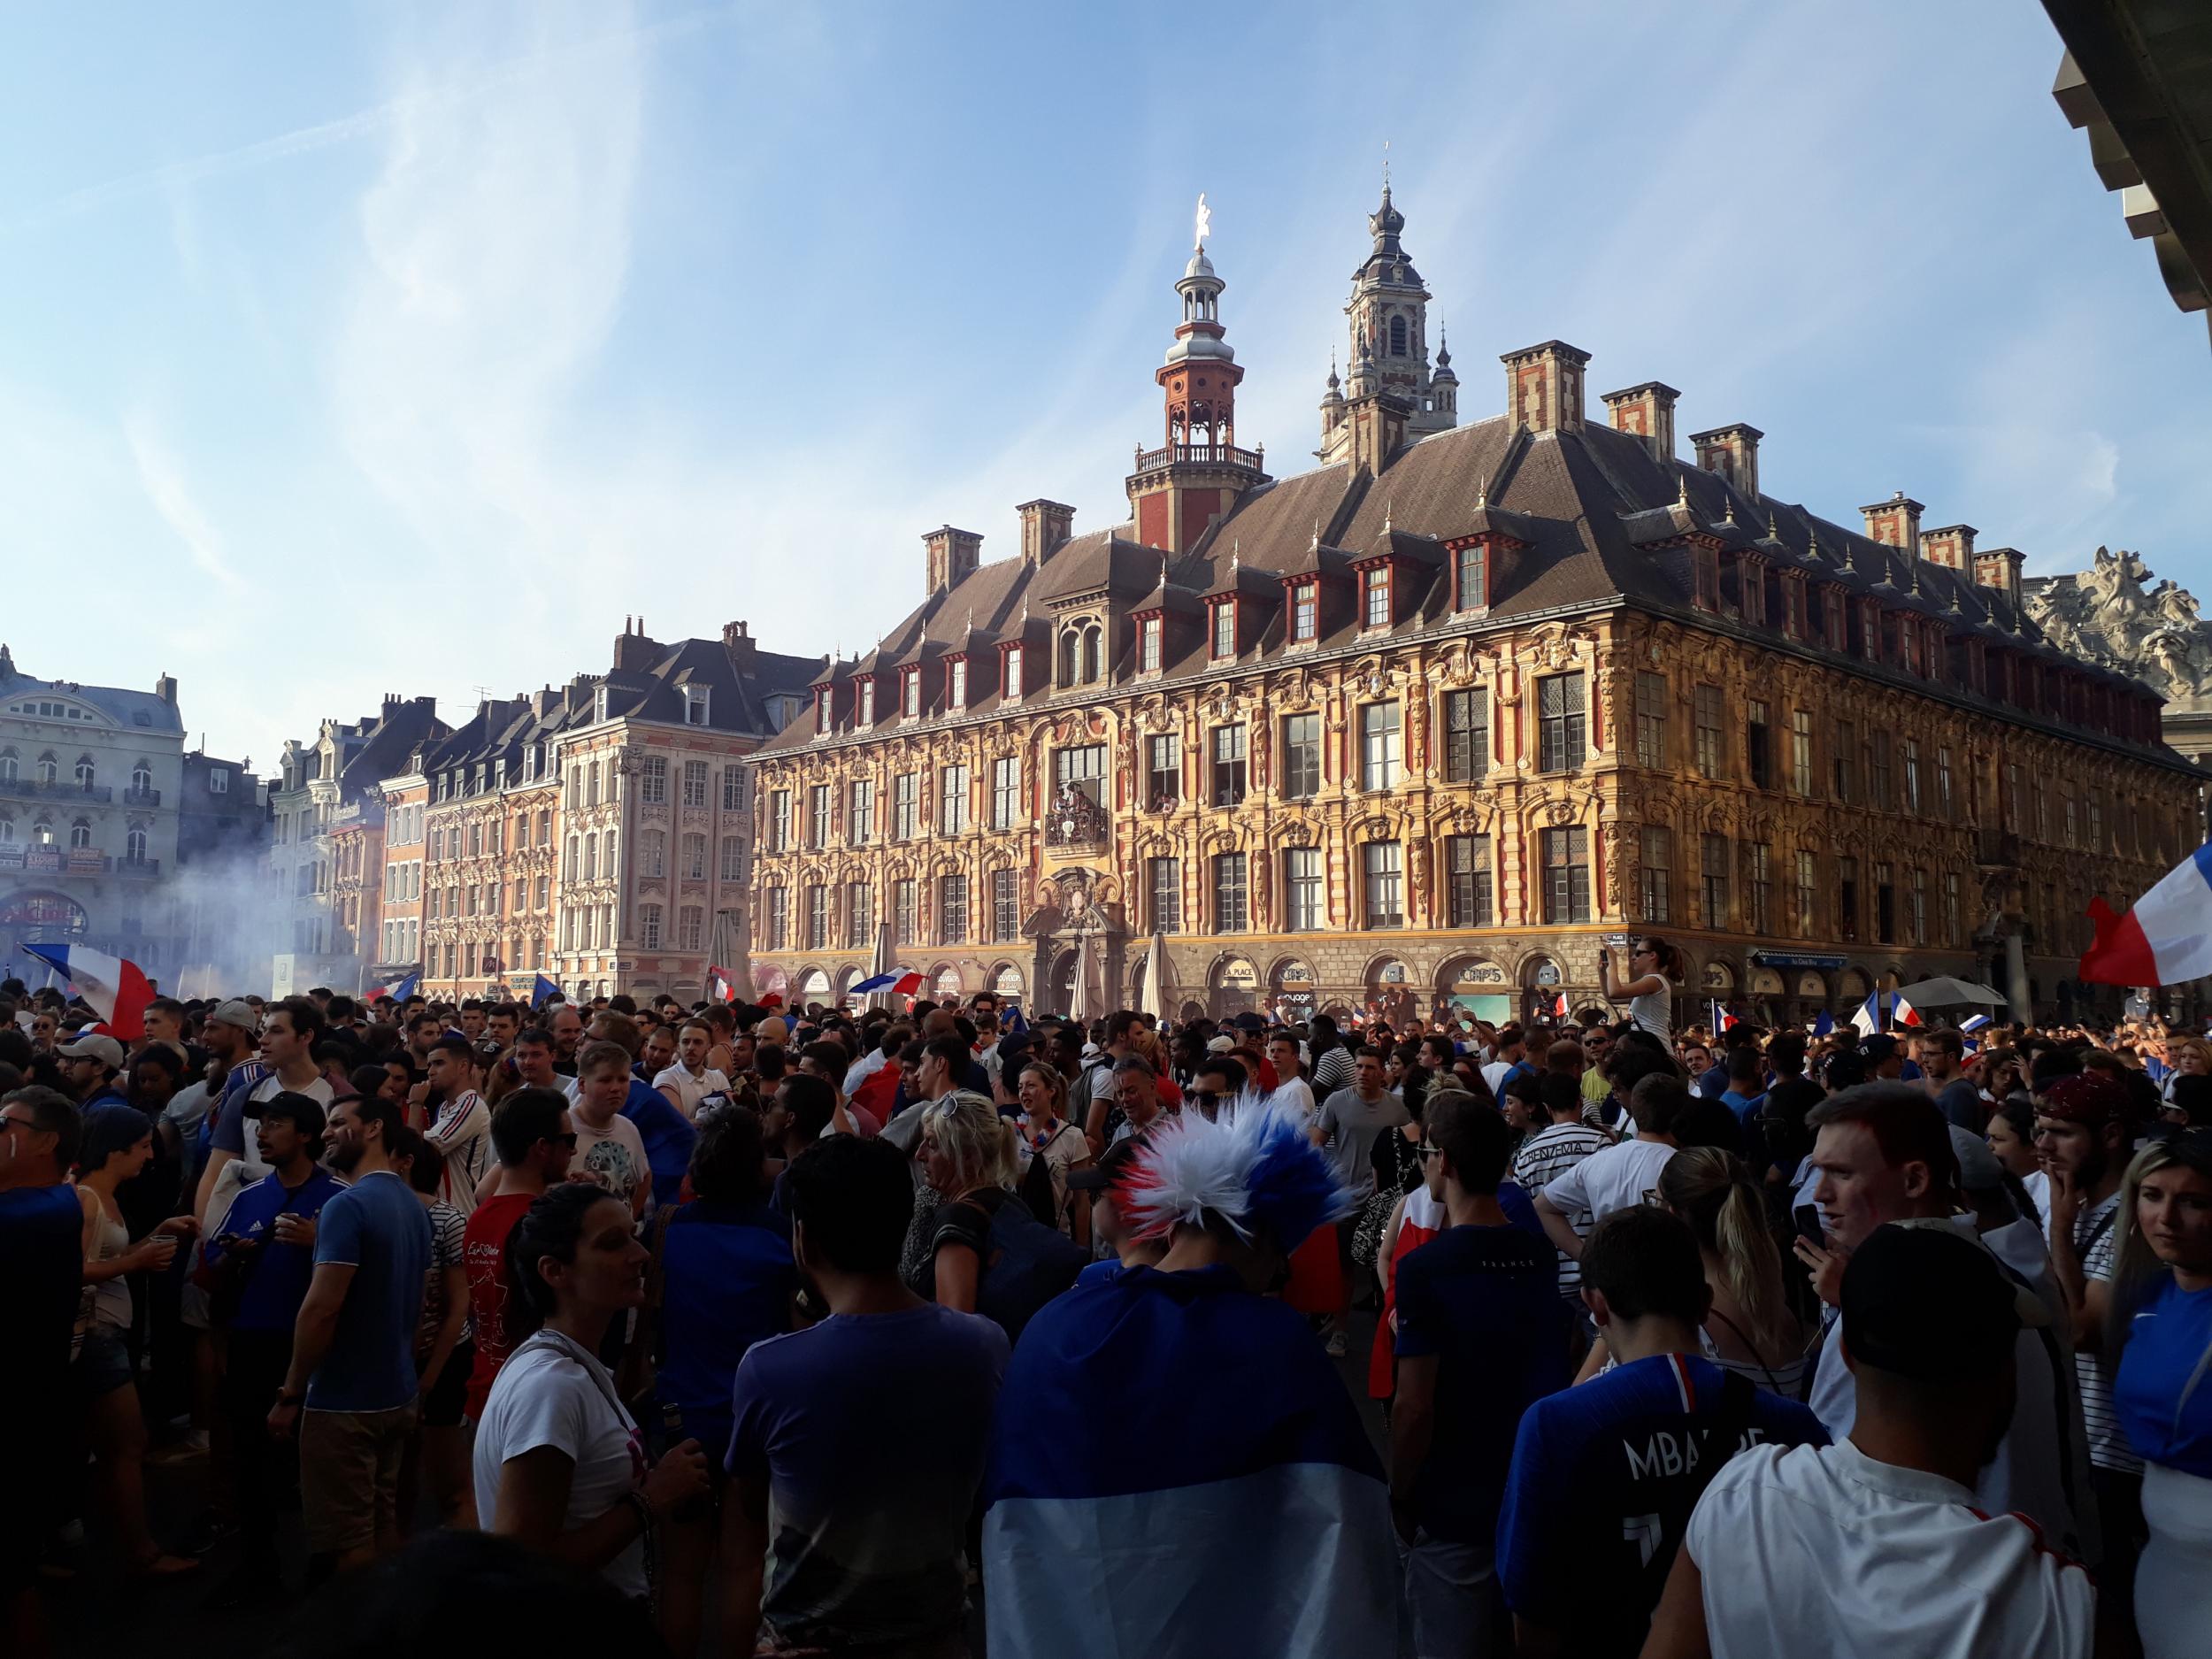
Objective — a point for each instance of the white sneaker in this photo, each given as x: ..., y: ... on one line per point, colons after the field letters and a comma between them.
x: 1338, y: 1346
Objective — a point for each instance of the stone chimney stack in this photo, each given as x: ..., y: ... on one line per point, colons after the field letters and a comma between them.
x: 953, y: 556
x: 1046, y: 525
x: 1543, y: 385
x: 166, y: 689
x: 633, y: 649
x: 1732, y: 452
x: 1999, y: 567
x: 1951, y: 547
x: 1895, y: 523
x: 739, y: 647
x: 1648, y: 410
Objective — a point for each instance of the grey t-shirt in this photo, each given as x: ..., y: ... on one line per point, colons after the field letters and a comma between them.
x: 1351, y: 1125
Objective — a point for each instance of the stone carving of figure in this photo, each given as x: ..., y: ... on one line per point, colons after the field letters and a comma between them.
x: 1075, y: 819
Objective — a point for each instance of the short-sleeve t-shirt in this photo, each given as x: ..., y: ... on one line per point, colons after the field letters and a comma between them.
x: 2096, y: 1241
x: 448, y: 1234
x: 1613, y: 1178
x: 1484, y: 1301
x: 1352, y: 1125
x: 690, y: 1090
x: 613, y: 1157
x: 232, y: 1136
x: 484, y: 1253
x: 2167, y: 1342
x: 1542, y: 1159
x: 552, y: 1392
x: 867, y: 1531
x: 966, y: 1222
x: 377, y: 1227
x: 270, y: 1296
x: 1604, y: 1477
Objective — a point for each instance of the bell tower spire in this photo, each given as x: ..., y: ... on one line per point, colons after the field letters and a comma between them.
x: 1389, y: 344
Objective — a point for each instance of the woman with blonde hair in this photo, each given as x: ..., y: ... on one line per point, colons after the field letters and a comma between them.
x: 985, y: 1253
x: 1750, y: 1327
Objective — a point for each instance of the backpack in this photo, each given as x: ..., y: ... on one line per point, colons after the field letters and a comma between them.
x: 1036, y: 1191
x: 1028, y: 1264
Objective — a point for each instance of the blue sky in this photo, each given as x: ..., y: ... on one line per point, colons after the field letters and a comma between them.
x: 353, y: 349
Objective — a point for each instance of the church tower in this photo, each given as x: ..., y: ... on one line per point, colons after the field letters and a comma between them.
x: 1178, y: 489
x: 1389, y: 348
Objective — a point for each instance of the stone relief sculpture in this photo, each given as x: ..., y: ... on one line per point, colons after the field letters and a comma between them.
x: 2104, y: 615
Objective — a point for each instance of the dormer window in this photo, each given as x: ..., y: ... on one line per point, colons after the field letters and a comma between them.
x: 1149, y: 645
x: 1708, y: 566
x: 1013, y: 675
x: 696, y: 700
x: 867, y: 715
x: 956, y: 683
x: 1471, y: 575
x: 1225, y: 629
x: 1305, y: 612
x: 911, y: 703
x: 823, y: 700
x: 599, y: 704
x: 1375, y: 610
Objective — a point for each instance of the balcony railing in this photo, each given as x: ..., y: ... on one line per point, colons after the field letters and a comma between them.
x: 1201, y: 454
x: 26, y: 789
x: 142, y: 797
x: 138, y: 869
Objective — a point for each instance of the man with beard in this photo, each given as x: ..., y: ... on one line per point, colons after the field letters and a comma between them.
x: 353, y: 1354
x: 567, y: 1027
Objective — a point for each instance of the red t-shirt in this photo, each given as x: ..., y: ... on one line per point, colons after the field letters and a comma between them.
x: 484, y: 1252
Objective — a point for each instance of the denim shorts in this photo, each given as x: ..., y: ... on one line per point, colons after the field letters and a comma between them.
x: 102, y: 1363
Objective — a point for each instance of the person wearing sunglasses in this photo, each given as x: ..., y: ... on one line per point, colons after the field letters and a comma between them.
x: 533, y: 1139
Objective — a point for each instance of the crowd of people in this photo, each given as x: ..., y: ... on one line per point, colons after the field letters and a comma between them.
x: 911, y: 1330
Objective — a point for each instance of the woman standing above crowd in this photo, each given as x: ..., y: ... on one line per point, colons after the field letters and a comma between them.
x: 1655, y: 967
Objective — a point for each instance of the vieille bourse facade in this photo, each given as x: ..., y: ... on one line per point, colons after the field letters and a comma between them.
x: 1437, y: 718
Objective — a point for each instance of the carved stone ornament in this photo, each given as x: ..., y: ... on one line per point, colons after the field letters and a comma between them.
x: 2104, y: 616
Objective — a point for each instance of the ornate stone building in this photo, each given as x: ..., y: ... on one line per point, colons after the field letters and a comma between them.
x: 2110, y: 615
x: 1435, y: 718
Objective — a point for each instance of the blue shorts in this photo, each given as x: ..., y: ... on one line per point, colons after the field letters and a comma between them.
x: 102, y: 1363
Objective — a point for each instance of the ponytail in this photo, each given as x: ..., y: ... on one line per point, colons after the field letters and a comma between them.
x: 551, y: 1228
x: 1713, y: 1191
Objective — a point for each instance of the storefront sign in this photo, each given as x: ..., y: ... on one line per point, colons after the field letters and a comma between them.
x: 1795, y: 959
x: 41, y: 909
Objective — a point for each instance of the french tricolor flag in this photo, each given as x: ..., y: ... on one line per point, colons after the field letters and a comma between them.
x: 2165, y: 939
x: 1261, y: 1530
x: 399, y: 990
x: 1723, y: 1020
x: 899, y: 982
x: 112, y: 986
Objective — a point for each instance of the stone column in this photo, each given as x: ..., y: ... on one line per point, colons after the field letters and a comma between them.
x: 2016, y: 979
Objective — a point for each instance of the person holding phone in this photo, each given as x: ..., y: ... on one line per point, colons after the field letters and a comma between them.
x: 1647, y: 985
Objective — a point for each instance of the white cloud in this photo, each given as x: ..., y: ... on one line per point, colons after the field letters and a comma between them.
x: 161, y: 475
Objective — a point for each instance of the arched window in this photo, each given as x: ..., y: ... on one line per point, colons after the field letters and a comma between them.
x: 48, y: 769
x: 1397, y: 336
x: 80, y: 835
x: 653, y: 853
x: 42, y: 834
x: 142, y: 778
x: 84, y: 771
x: 7, y: 831
x: 1092, y: 641
x: 7, y: 766
x: 1068, y: 647
x: 134, y: 846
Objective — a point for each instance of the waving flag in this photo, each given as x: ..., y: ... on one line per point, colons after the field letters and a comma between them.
x: 1723, y: 1020
x: 1013, y: 1025
x: 1974, y: 1022
x: 2164, y: 939
x: 721, y: 984
x: 112, y: 986
x: 1559, y: 1006
x: 399, y: 990
x: 899, y: 982
x: 1824, y: 1022
x: 542, y: 988
x: 1903, y: 1013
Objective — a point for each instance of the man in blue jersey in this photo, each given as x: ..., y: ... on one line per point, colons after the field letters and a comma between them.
x: 1605, y: 1475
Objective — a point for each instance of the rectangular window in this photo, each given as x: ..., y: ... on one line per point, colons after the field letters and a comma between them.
x: 956, y: 686
x: 1230, y: 913
x: 2096, y: 824
x: 818, y: 816
x: 1801, y: 753
x: 1225, y: 629
x: 1846, y: 768
x: 867, y: 715
x: 732, y: 864
x: 1164, y: 880
x: 1807, y: 894
x: 1709, y: 743
x: 1912, y: 776
x: 733, y: 789
x: 1885, y: 903
x: 1943, y: 783
x: 1658, y: 874
x: 817, y: 918
x: 1651, y: 720
x: 1847, y: 898
x: 1006, y: 791
x: 860, y: 812
x: 906, y: 922
x: 779, y: 918
x: 1916, y: 907
x: 952, y: 800
x: 1149, y: 645
x: 1302, y: 756
x: 1566, y: 873
x: 1382, y: 868
x: 1559, y: 715
x: 1228, y: 766
x: 1380, y: 755
x: 910, y: 696
x: 1303, y: 911
x: 1084, y: 767
x: 1163, y: 771
x: 952, y: 909
x: 1305, y: 612
x: 1713, y: 872
x: 1473, y: 577
x: 780, y: 821
x: 1758, y: 891
x: 1757, y: 745
x: 1013, y: 676
x: 906, y: 794
x: 1879, y: 769
x: 1375, y: 608
x: 1006, y: 907
x: 691, y: 925
x: 860, y: 916
x: 1466, y: 735
x: 1468, y: 892
x: 695, y: 783
x: 652, y: 782
x: 1951, y: 908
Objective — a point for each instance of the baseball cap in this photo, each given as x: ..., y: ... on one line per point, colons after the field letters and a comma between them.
x: 1928, y: 1303
x: 1877, y: 1048
x: 239, y: 1012
x: 303, y: 1112
x: 1109, y: 1169
x: 106, y: 1050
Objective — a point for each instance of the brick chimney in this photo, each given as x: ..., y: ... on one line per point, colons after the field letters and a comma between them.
x: 1999, y: 567
x: 953, y: 556
x: 1543, y: 385
x: 1895, y: 522
x: 633, y: 649
x: 1648, y: 410
x: 1734, y: 453
x: 166, y: 689
x: 1951, y: 547
x: 737, y: 644
x: 1046, y: 525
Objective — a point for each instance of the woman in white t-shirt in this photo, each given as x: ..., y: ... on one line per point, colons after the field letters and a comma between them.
x: 1655, y: 968
x: 559, y: 1464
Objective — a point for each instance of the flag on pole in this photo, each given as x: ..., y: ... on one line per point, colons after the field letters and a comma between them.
x: 1559, y: 1006
x: 721, y: 984
x: 1903, y: 1013
x: 1013, y: 1025
x: 399, y: 990
x: 1868, y: 1020
x: 112, y: 986
x: 2166, y: 936
x: 1974, y: 1022
x: 899, y: 982
x: 1723, y: 1020
x: 541, y: 989
x: 1824, y: 1022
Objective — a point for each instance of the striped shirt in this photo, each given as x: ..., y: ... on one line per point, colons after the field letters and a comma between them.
x: 2096, y: 1240
x: 1544, y: 1157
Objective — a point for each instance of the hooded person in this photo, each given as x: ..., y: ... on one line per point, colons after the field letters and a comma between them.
x: 1125, y: 1515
